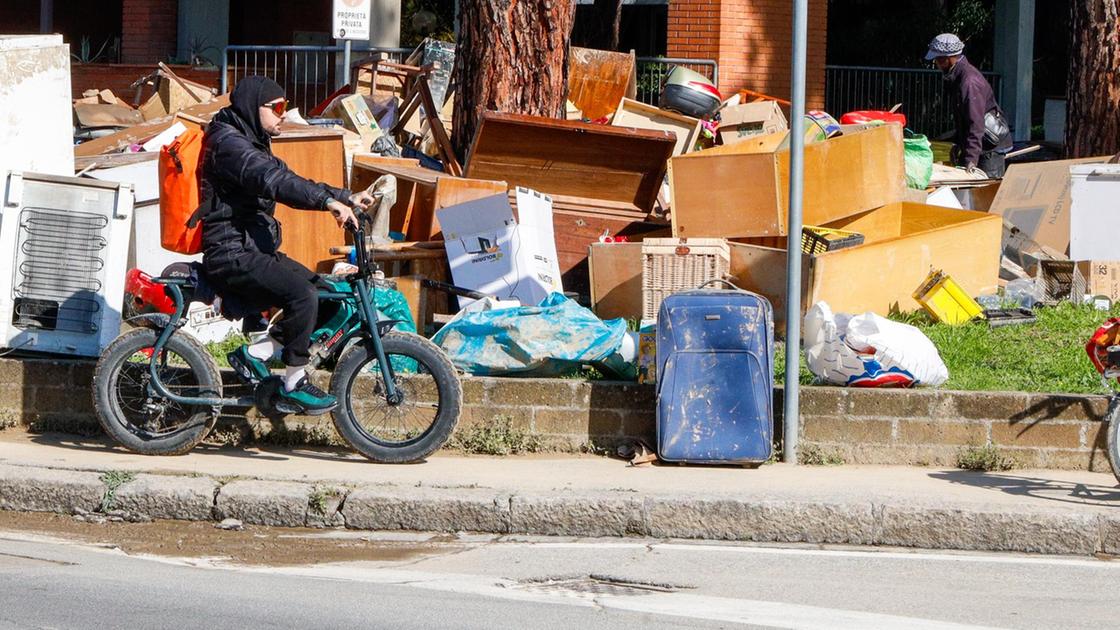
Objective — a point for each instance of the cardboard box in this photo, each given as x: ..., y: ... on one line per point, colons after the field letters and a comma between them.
x: 489, y: 252
x: 1094, y: 222
x: 742, y: 190
x: 739, y: 122
x: 902, y: 242
x: 1035, y: 198
x: 356, y: 116
x: 1102, y: 277
x: 638, y: 115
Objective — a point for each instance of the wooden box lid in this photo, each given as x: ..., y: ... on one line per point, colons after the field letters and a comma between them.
x: 575, y: 159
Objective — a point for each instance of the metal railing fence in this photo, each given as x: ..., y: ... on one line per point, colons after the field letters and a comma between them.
x: 925, y: 98
x: 309, y: 74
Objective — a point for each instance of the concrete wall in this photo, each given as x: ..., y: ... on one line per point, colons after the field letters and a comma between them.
x: 915, y: 427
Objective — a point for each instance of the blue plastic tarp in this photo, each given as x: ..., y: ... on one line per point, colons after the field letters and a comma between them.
x: 555, y: 337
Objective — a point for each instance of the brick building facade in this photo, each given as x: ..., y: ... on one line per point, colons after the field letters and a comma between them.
x: 752, y: 41
x: 149, y: 30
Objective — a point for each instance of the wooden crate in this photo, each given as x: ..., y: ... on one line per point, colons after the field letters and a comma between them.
x: 565, y: 158
x: 903, y: 242
x: 420, y: 192
x: 742, y: 189
x: 636, y: 114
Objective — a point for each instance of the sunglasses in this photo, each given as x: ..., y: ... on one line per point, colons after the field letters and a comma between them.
x: 278, y: 108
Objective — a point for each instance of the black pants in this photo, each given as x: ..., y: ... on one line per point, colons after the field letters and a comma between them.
x: 268, y: 280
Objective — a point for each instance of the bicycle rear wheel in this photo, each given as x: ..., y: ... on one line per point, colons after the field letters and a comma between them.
x: 152, y: 425
x: 408, y: 430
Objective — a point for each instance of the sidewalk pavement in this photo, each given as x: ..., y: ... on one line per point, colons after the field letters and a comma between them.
x: 1057, y: 512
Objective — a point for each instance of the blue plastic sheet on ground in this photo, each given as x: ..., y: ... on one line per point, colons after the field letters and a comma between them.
x: 553, y: 338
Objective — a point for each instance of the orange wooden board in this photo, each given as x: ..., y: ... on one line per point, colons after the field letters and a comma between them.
x: 308, y: 235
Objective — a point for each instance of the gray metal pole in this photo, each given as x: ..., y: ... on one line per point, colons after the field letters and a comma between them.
x: 346, y: 63
x: 792, y: 406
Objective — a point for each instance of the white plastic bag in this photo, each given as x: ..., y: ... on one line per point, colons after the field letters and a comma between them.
x: 869, y: 351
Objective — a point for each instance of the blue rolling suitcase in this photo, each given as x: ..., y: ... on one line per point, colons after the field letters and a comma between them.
x: 715, y: 368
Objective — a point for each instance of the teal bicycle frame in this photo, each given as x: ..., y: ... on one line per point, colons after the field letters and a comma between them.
x: 359, y: 293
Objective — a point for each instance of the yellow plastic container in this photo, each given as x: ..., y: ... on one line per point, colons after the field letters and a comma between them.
x: 945, y: 300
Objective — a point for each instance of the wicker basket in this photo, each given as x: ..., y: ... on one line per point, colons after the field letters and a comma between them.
x: 670, y: 265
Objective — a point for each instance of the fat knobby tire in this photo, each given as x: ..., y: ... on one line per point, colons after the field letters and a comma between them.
x: 134, y: 438
x: 447, y: 382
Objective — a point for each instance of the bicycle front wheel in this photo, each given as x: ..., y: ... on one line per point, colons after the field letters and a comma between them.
x: 406, y: 430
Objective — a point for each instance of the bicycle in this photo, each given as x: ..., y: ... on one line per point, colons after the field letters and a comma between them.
x: 157, y: 391
x: 1103, y: 348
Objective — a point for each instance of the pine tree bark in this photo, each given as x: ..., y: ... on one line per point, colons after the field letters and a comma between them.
x: 1093, y: 112
x: 512, y: 56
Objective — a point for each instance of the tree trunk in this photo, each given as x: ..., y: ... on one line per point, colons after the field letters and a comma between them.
x: 1093, y: 112
x: 608, y: 19
x: 512, y: 57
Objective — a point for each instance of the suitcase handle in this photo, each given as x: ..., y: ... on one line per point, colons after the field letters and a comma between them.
x: 721, y: 281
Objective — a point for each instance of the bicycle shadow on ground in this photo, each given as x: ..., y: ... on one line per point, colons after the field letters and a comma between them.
x: 1035, y: 487
x: 258, y: 452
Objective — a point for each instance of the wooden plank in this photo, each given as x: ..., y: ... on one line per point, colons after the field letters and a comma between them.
x: 599, y: 79
x: 616, y: 279
x: 412, y: 289
x: 308, y: 235
x: 763, y: 270
x: 559, y: 157
x: 638, y: 115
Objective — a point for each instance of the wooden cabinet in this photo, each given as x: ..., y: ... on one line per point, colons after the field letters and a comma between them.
x: 317, y: 154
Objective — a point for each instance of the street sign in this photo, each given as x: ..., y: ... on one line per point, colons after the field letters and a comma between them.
x: 351, y: 19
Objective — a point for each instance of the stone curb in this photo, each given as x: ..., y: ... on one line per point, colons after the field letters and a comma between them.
x: 584, y: 514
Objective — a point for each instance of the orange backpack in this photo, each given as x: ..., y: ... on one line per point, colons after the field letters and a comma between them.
x: 180, y: 231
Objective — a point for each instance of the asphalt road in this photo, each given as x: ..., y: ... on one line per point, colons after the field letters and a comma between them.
x: 482, y: 582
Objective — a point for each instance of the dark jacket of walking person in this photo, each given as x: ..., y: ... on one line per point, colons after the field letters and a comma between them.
x: 241, y: 181
x: 982, y: 136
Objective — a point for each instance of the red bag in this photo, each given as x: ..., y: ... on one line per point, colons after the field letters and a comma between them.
x: 178, y: 193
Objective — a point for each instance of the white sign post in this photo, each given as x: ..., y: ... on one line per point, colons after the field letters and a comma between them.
x: 351, y: 20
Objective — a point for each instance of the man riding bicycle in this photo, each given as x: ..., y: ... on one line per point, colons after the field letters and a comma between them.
x: 241, y: 181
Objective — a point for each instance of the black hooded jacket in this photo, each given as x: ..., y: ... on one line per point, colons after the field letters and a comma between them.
x: 973, y: 98
x: 242, y: 180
